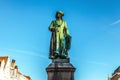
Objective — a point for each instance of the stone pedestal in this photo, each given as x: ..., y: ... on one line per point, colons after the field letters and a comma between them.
x: 60, y: 69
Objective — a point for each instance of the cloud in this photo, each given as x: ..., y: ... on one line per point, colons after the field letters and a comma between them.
x: 26, y: 52
x: 115, y: 22
x: 98, y: 63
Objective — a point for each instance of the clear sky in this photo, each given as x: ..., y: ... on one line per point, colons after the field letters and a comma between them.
x: 93, y: 24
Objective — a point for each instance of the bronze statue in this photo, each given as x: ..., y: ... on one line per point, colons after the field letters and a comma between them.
x: 60, y: 39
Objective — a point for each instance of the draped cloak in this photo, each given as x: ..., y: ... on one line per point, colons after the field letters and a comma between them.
x: 60, y: 39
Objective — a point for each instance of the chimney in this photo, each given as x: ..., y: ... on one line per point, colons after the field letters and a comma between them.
x: 13, y: 64
x: 16, y: 69
x: 109, y: 78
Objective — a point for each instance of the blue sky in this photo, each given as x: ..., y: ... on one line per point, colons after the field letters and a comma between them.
x: 93, y: 24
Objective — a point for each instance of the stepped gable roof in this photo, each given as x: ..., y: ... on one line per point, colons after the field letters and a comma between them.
x: 5, y: 58
x: 117, y: 70
x: 28, y: 77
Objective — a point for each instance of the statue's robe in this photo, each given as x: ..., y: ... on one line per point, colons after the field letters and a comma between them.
x: 58, y: 42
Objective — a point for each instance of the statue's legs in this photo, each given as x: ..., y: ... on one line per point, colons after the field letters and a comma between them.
x: 60, y: 47
x: 63, y: 48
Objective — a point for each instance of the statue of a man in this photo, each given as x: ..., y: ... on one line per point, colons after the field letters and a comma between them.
x: 60, y: 39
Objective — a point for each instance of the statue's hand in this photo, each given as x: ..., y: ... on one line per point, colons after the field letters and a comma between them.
x: 53, y: 29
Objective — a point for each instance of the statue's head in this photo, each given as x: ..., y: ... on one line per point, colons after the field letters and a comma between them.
x: 59, y: 14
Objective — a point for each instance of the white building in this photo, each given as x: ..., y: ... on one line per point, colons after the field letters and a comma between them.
x: 5, y: 68
x: 10, y: 71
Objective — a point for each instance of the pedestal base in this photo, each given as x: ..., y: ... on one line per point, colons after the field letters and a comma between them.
x: 60, y: 69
